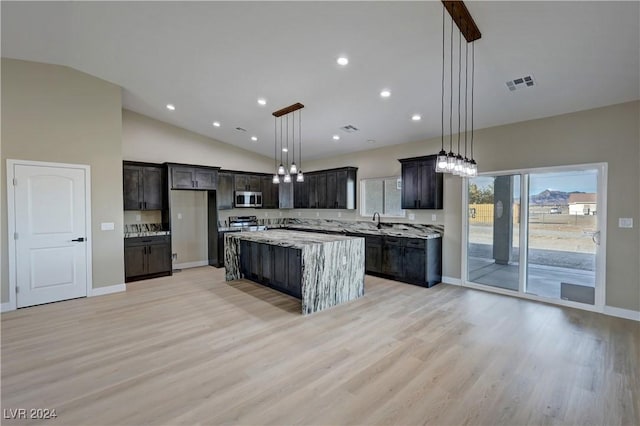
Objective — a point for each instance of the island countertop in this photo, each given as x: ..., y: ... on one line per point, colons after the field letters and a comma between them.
x: 331, y: 266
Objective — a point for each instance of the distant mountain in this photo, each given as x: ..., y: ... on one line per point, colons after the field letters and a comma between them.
x: 550, y: 197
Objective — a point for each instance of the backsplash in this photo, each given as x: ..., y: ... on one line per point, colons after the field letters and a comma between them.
x: 139, y: 217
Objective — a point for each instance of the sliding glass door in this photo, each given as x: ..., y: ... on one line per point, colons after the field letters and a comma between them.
x: 538, y: 232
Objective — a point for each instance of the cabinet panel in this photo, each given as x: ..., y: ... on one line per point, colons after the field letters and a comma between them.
x: 280, y: 268
x: 205, y: 179
x: 241, y: 182
x: 410, y: 185
x: 224, y: 191
x: 132, y: 189
x: 421, y: 185
x: 392, y: 257
x: 153, y: 188
x: 332, y: 188
x: 414, y: 265
x: 135, y: 263
x: 266, y: 263
x: 254, y: 183
x: 300, y: 197
x: 182, y: 178
x: 373, y: 254
x: 311, y: 183
x: 321, y: 191
x: 294, y: 266
x: 158, y: 258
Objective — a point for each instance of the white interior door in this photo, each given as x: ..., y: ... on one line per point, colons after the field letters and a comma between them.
x: 51, y: 248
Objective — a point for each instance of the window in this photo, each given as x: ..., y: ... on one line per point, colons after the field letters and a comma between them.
x: 382, y: 195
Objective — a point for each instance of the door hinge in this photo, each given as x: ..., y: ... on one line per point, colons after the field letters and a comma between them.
x: 15, y: 182
x: 15, y: 235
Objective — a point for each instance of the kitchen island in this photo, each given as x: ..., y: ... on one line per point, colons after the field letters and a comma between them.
x: 321, y: 270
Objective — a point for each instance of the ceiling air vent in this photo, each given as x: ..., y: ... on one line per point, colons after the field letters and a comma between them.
x: 521, y: 83
x: 240, y: 129
x: 349, y: 128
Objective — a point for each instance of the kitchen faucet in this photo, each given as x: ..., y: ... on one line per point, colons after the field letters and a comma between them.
x: 374, y: 218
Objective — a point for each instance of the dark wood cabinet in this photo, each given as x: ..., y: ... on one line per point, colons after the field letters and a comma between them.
x: 321, y: 191
x: 225, y: 191
x: 392, y: 257
x: 311, y: 181
x: 270, y: 193
x: 143, y: 187
x: 300, y: 197
x: 193, y: 177
x: 274, y: 266
x: 411, y: 260
x: 247, y: 182
x: 332, y: 190
x: 422, y: 187
x: 146, y: 257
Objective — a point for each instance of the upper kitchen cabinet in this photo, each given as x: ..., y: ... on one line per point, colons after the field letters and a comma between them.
x: 270, y: 193
x: 143, y: 186
x: 421, y: 185
x: 225, y: 191
x: 341, y: 188
x: 193, y: 177
x: 247, y: 183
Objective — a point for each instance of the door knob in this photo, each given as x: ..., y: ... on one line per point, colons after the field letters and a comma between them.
x: 78, y: 240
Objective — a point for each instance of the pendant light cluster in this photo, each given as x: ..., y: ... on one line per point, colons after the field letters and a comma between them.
x: 281, y: 119
x: 456, y: 163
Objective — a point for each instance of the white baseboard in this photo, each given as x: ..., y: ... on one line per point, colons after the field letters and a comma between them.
x: 6, y: 307
x: 621, y: 313
x: 188, y: 265
x: 101, y: 291
x: 451, y: 280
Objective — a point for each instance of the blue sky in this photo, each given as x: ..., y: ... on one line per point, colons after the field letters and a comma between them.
x: 579, y: 180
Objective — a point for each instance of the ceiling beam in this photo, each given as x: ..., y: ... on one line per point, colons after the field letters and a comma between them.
x: 463, y: 20
x: 287, y: 110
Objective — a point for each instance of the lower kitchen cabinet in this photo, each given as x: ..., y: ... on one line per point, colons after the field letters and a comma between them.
x: 147, y: 257
x: 411, y: 260
x: 274, y: 266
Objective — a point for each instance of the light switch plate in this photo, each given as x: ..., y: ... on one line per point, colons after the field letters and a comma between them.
x: 412, y: 216
x: 179, y: 215
x: 107, y: 226
x: 625, y: 222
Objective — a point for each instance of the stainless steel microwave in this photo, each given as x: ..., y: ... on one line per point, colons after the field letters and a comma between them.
x: 248, y: 199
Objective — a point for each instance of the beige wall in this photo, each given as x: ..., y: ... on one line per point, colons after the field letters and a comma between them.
x: 56, y: 114
x: 146, y: 139
x: 189, y: 226
x: 608, y: 134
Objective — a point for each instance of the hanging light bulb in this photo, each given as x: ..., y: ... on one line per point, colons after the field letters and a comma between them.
x: 287, y: 178
x: 276, y: 179
x: 299, y: 176
x: 293, y: 169
x: 281, y: 169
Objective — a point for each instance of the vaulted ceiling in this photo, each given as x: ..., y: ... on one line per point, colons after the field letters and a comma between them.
x: 213, y: 60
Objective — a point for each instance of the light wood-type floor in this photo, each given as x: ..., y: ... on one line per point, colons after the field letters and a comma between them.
x: 192, y: 349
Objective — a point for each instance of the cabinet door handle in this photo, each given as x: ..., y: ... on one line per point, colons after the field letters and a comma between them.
x: 145, y: 205
x: 144, y: 250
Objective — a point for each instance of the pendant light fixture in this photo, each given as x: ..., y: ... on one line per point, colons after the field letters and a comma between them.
x: 299, y: 175
x: 450, y: 162
x: 276, y: 175
x: 284, y: 169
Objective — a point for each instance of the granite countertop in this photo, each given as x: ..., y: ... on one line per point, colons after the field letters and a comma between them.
x: 288, y: 238
x: 405, y: 230
x: 146, y: 234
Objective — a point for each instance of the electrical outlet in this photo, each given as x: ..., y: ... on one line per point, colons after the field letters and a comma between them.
x: 138, y: 218
x: 317, y: 214
x: 339, y: 214
x: 266, y: 214
x: 280, y: 214
x: 299, y: 214
x: 412, y: 216
x: 434, y: 217
x: 179, y: 215
x: 625, y: 222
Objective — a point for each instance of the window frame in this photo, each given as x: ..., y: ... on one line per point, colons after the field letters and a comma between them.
x: 363, y: 206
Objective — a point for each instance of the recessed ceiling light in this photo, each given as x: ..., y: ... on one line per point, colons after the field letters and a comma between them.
x: 262, y: 101
x: 285, y: 149
x: 254, y: 138
x: 336, y: 137
x: 171, y: 107
x: 342, y: 61
x: 416, y: 117
x: 385, y: 93
x: 216, y: 124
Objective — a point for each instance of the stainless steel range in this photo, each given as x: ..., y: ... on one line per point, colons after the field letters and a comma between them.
x: 245, y: 223
x: 236, y: 224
